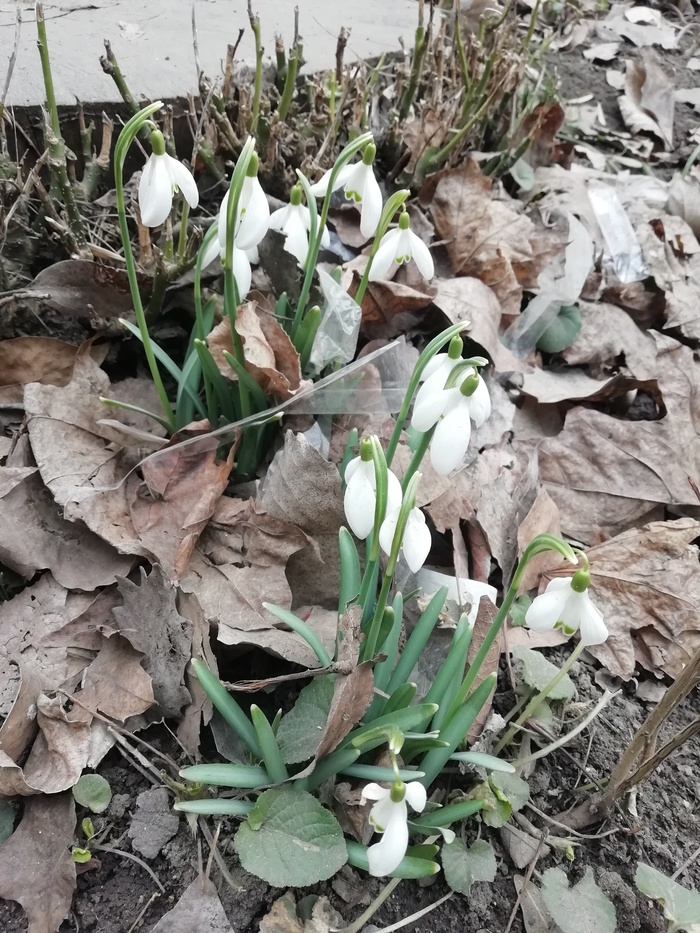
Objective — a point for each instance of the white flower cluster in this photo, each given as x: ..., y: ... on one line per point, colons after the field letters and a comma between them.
x: 164, y: 175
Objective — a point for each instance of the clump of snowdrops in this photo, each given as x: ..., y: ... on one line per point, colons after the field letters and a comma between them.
x: 167, y: 188
x: 393, y: 744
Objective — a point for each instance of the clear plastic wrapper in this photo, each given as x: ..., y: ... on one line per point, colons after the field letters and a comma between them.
x: 336, y: 338
x: 625, y: 253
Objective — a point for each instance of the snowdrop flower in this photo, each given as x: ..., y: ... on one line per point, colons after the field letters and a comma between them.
x: 253, y: 217
x: 398, y: 246
x: 294, y: 222
x: 416, y: 537
x: 451, y: 411
x: 566, y: 604
x: 360, y: 186
x: 161, y: 177
x: 361, y: 493
x: 438, y: 369
x: 389, y: 816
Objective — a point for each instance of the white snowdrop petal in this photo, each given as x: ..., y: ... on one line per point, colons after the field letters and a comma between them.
x: 211, y: 253
x: 373, y: 791
x: 435, y: 380
x: 372, y: 205
x: 381, y: 813
x: 385, y: 256
x: 386, y: 855
x: 351, y: 468
x: 359, y: 502
x: 434, y: 363
x: 394, y: 492
x: 255, y: 218
x: 421, y: 256
x: 387, y: 531
x: 182, y: 177
x: 278, y: 218
x: 546, y: 609
x: 155, y: 192
x: 593, y: 629
x: 416, y: 795
x: 417, y: 542
x: 221, y: 222
x: 480, y: 404
x: 297, y: 242
x: 432, y: 407
x: 450, y: 440
x: 241, y: 272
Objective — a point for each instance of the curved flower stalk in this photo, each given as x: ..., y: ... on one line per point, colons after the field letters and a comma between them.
x: 389, y: 816
x: 450, y: 411
x: 161, y: 178
x: 294, y: 223
x: 566, y: 604
x: 399, y: 246
x: 360, y: 186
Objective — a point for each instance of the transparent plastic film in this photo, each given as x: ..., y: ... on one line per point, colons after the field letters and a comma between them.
x: 336, y: 338
x: 374, y: 384
x: 625, y: 253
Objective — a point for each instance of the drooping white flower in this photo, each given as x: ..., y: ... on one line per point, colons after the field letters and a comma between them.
x: 161, y: 177
x: 398, y: 246
x: 389, y: 816
x: 437, y: 370
x: 566, y: 604
x: 242, y: 271
x: 360, y: 186
x: 452, y: 411
x: 253, y: 215
x: 416, y: 537
x: 294, y: 222
x: 361, y: 495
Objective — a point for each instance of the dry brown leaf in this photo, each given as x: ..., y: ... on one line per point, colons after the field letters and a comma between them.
x: 74, y: 460
x: 116, y: 684
x: 384, y: 302
x: 485, y: 616
x: 82, y: 288
x: 240, y: 563
x: 270, y: 357
x: 36, y: 868
x: 62, y: 746
x: 199, y: 908
x: 304, y: 489
x: 543, y: 518
x: 34, y: 536
x: 552, y: 386
x: 484, y: 237
x: 150, y: 621
x: 40, y: 359
x: 608, y: 336
x: 646, y: 582
x: 181, y: 489
x: 684, y: 200
x: 647, y: 104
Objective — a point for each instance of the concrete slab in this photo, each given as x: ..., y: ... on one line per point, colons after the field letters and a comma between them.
x: 153, y: 41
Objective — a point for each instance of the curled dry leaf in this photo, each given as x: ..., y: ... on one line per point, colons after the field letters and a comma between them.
x: 646, y: 582
x: 648, y: 102
x: 82, y: 288
x: 36, y: 868
x: 181, y: 488
x: 240, y: 563
x: 37, y: 359
x: 270, y: 357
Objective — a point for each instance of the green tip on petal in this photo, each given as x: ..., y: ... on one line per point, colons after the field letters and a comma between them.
x: 369, y: 153
x: 252, y: 169
x: 469, y: 385
x: 366, y: 449
x: 454, y: 351
x: 580, y: 581
x: 157, y: 143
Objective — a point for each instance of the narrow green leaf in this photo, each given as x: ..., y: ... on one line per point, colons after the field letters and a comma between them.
x: 221, y: 806
x: 482, y: 760
x: 417, y: 640
x: 378, y: 773
x: 271, y: 755
x: 301, y: 628
x: 350, y: 577
x: 227, y: 706
x: 444, y: 816
x: 408, y: 867
x: 227, y: 775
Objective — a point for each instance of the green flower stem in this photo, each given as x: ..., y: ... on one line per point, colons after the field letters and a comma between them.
x: 182, y: 240
x: 384, y: 670
x: 417, y: 457
x: 227, y: 706
x: 419, y: 48
x: 433, y: 347
x: 538, y: 545
x: 231, y: 297
x: 539, y: 698
x: 201, y: 331
x: 349, y: 570
x: 370, y: 578
x: 271, y: 755
x: 370, y: 645
x: 396, y: 201
x: 126, y: 137
x: 315, y: 245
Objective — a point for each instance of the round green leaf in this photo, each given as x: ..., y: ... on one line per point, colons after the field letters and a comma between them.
x: 579, y: 909
x: 538, y: 671
x: 301, y: 730
x: 562, y: 332
x: 463, y: 866
x: 92, y: 791
x: 290, y: 840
